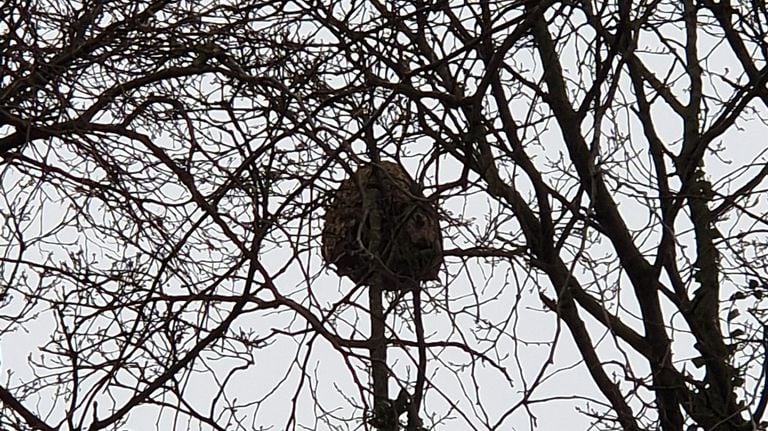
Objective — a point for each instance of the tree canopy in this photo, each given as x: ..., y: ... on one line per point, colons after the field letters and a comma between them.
x: 599, y: 169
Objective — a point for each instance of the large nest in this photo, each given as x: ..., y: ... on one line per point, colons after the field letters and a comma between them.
x: 410, y: 243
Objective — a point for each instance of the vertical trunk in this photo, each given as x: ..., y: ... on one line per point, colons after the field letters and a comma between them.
x: 382, y: 417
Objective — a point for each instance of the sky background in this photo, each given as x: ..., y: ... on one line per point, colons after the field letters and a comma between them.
x: 492, y: 305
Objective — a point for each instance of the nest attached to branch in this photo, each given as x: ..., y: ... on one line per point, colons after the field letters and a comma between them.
x: 409, y: 248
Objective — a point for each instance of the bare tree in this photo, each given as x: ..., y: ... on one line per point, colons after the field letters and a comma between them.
x: 599, y: 169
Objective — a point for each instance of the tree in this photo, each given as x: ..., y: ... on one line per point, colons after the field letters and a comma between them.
x: 598, y: 166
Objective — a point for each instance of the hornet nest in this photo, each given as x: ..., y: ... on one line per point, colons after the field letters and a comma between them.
x: 410, y: 243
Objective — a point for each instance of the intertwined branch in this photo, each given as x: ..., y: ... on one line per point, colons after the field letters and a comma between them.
x: 599, y: 170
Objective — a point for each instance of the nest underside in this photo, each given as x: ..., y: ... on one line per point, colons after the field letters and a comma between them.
x: 408, y: 247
